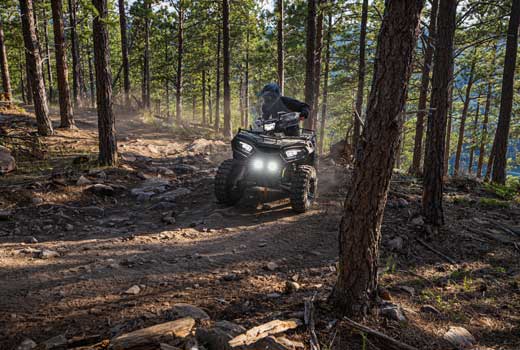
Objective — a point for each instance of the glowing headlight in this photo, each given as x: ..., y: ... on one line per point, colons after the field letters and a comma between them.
x: 258, y: 164
x: 292, y: 153
x: 269, y: 127
x: 245, y: 146
x: 272, y: 166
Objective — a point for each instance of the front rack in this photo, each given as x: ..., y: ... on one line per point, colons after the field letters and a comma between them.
x: 307, y: 134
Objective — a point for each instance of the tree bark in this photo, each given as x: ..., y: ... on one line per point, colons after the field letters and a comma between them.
x: 22, y: 85
x: 217, y: 88
x: 204, y: 121
x: 180, y: 53
x: 62, y: 71
x: 228, y: 128
x: 210, y: 103
x: 74, y: 46
x: 439, y: 106
x: 447, y: 153
x: 360, y: 229
x: 124, y: 51
x: 317, y: 65
x: 485, y: 135
x: 4, y: 66
x: 416, y: 168
x: 325, y: 85
x: 246, y: 81
x: 280, y: 45
x: 473, y: 139
x: 361, y: 78
x: 91, y: 78
x: 464, y: 115
x: 34, y: 66
x: 29, y: 79
x: 48, y: 54
x: 506, y: 99
x: 106, y: 119
x: 146, y: 54
x: 310, y: 60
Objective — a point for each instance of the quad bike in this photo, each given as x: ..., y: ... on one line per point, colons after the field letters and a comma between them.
x: 264, y: 156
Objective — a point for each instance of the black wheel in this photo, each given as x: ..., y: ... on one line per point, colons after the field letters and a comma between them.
x: 225, y: 191
x: 303, y: 188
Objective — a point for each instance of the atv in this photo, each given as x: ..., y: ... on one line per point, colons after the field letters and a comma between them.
x: 266, y: 157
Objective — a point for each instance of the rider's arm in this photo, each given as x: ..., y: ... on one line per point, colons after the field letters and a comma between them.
x: 296, y: 106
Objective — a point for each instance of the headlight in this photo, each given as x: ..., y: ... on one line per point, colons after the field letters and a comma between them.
x: 272, y: 166
x: 246, y: 147
x: 293, y: 153
x: 269, y: 127
x: 258, y: 164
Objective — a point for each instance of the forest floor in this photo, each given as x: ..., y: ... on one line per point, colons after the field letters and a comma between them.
x: 88, y: 253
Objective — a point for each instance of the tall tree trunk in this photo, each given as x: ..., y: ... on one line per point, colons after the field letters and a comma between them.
x: 310, y: 59
x: 29, y: 79
x: 194, y: 107
x: 228, y: 128
x: 210, y: 103
x: 146, y: 58
x: 4, y: 66
x: 491, y: 160
x: 217, y: 91
x: 473, y: 139
x: 317, y: 64
x: 439, y: 106
x: 325, y: 85
x: 360, y: 229
x: 246, y: 81
x: 204, y: 121
x: 124, y: 51
x: 463, y: 117
x: 48, y: 54
x: 416, y: 168
x: 241, y: 101
x: 361, y: 76
x: 180, y: 53
x: 485, y: 135
x: 22, y: 85
x: 506, y: 100
x: 106, y: 119
x: 62, y: 71
x: 91, y: 79
x: 280, y: 44
x: 34, y: 65
x: 447, y: 148
x: 74, y: 46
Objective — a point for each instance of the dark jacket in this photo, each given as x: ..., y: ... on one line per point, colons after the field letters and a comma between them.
x: 285, y: 104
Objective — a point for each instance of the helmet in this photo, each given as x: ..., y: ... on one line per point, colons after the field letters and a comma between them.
x: 270, y: 89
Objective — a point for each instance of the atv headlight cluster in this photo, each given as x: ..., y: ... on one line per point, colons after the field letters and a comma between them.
x: 260, y: 164
x: 294, y: 153
x: 246, y: 147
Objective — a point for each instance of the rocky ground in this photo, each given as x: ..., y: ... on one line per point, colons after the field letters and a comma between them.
x: 88, y: 254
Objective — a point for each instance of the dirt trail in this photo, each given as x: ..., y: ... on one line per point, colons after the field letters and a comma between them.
x: 78, y: 238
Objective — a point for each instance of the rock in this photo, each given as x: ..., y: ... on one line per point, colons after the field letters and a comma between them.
x: 187, y: 310
x: 172, y: 196
x: 184, y: 169
x: 407, y: 289
x: 134, y: 290
x: 230, y: 277
x: 396, y: 244
x: 101, y: 175
x: 214, y: 220
x: 292, y: 287
x: 204, y: 146
x: 69, y: 227
x: 5, y: 215
x: 48, y: 254
x: 83, y: 181
x: 428, y: 309
x: 273, y: 295
x: 417, y: 221
x: 56, y: 342
x: 164, y: 346
x: 142, y: 196
x: 101, y: 190
x: 7, y: 161
x: 27, y: 344
x: 217, y: 338
x: 271, y: 266
x: 36, y: 200
x: 31, y: 239
x: 392, y: 312
x: 169, y: 219
x: 164, y: 171
x: 155, y: 184
x: 459, y: 337
x: 128, y: 157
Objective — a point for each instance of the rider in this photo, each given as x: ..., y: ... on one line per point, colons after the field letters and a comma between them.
x: 274, y: 103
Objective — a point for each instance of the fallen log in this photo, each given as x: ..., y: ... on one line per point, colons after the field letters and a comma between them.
x: 146, y: 338
x: 309, y: 321
x: 389, y: 341
x: 259, y: 332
